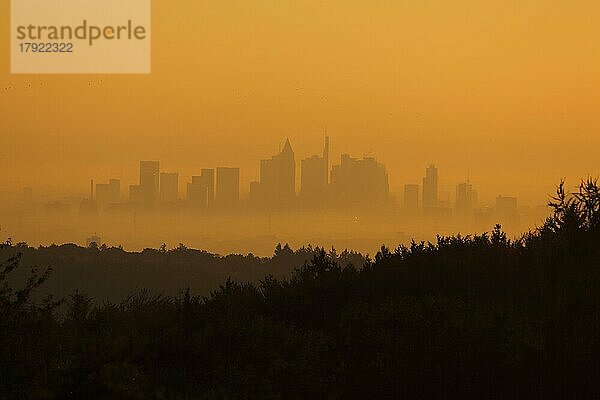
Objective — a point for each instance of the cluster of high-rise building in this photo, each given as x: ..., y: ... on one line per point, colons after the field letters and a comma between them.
x: 427, y: 198
x: 352, y: 183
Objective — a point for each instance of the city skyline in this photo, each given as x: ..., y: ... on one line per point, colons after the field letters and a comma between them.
x: 279, y: 185
x: 317, y: 199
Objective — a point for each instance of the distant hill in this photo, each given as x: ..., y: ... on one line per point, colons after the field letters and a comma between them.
x: 112, y: 273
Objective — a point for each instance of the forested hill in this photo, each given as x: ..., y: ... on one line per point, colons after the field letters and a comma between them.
x: 466, y: 317
x: 112, y: 273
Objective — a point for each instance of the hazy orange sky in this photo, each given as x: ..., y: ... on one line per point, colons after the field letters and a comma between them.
x: 509, y: 90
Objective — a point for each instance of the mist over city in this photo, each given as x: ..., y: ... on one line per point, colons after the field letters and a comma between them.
x: 343, y: 202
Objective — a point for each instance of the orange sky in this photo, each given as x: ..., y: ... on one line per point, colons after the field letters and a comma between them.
x: 509, y: 90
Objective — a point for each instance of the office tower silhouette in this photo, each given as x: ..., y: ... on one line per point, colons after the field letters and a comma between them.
x: 356, y: 182
x: 315, y: 178
x: 149, y: 181
x: 411, y: 197
x: 430, y: 188
x: 108, y: 193
x: 277, y: 186
x: 169, y: 186
x: 196, y: 193
x: 228, y: 187
x: 201, y: 192
x: 466, y: 199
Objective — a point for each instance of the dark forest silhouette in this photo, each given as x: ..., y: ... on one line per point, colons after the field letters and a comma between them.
x: 110, y: 273
x: 468, y: 316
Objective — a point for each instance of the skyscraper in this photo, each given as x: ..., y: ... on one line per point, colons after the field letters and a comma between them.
x: 359, y: 182
x: 196, y: 193
x: 411, y: 197
x: 169, y: 186
x: 430, y: 188
x: 228, y: 187
x: 108, y: 193
x: 315, y: 177
x: 201, y: 192
x: 149, y: 181
x: 277, y: 186
x: 466, y: 199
